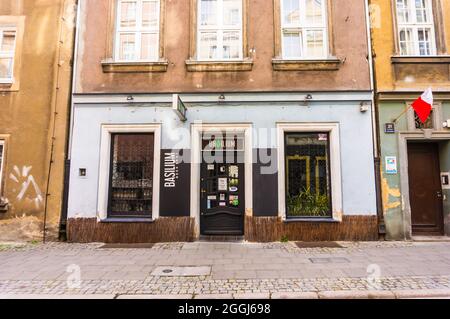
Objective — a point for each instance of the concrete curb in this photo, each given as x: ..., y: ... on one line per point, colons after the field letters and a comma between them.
x: 295, y: 295
x: 348, y: 294
x: 429, y: 293
x: 343, y: 294
x: 154, y: 297
x: 45, y: 297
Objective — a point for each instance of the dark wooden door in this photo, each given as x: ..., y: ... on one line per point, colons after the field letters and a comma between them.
x: 425, y: 190
x: 222, y: 195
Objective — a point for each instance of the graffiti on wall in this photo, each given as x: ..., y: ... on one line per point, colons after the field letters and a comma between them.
x: 28, y: 189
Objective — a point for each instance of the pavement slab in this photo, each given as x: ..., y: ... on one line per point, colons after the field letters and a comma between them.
x: 232, y: 270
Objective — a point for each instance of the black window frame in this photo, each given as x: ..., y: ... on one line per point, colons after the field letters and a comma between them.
x: 116, y: 215
x: 286, y: 181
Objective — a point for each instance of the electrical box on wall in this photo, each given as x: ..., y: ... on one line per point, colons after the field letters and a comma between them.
x: 446, y: 124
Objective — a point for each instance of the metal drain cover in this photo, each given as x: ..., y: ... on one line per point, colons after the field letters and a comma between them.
x: 319, y: 244
x: 127, y: 246
x: 182, y: 271
x: 332, y: 260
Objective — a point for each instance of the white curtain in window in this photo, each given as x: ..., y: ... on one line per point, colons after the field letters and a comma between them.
x: 304, y: 29
x: 138, y: 35
x: 220, y: 30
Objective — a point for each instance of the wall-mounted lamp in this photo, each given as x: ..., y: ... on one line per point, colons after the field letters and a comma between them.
x: 363, y: 107
x: 222, y: 98
x: 130, y: 98
x: 308, y: 98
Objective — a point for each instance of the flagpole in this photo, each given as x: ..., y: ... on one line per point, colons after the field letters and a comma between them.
x: 404, y: 111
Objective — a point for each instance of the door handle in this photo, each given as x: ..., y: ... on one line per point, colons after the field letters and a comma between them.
x: 439, y: 194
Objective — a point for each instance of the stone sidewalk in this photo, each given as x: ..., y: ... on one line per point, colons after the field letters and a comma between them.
x: 226, y: 270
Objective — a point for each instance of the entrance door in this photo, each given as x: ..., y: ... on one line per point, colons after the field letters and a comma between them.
x: 425, y: 189
x: 222, y: 187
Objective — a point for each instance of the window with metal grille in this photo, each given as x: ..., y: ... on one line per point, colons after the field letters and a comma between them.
x: 220, y: 30
x: 308, y: 190
x: 429, y: 124
x: 7, y: 51
x: 304, y: 29
x: 137, y: 37
x: 416, y: 30
x: 131, y: 176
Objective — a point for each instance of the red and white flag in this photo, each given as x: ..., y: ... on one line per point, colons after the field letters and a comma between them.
x: 423, y: 105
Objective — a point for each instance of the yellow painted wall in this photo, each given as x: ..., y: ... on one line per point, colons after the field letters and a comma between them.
x: 383, y: 42
x: 35, y: 113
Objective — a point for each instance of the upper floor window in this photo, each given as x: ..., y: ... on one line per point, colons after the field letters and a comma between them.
x: 138, y: 30
x: 304, y: 29
x: 7, y: 52
x: 220, y: 30
x: 416, y: 32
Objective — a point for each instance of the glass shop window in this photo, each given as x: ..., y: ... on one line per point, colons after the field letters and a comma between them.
x: 131, y: 176
x: 308, y: 192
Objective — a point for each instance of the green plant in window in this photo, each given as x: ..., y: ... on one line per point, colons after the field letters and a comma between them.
x: 308, y: 204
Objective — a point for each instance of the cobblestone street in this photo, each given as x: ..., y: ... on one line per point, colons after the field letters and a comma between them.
x: 226, y: 270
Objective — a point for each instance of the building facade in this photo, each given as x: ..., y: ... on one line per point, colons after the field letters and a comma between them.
x: 36, y: 46
x: 225, y: 117
x: 411, y: 42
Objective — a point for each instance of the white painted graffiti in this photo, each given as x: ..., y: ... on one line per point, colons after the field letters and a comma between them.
x: 29, y: 190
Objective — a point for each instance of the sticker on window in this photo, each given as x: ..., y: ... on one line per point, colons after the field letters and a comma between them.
x: 234, y: 201
x: 233, y: 171
x: 323, y: 137
x: 223, y: 184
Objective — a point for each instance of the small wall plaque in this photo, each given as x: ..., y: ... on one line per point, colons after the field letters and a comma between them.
x: 389, y: 128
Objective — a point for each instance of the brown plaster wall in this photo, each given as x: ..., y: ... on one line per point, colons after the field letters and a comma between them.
x: 348, y: 34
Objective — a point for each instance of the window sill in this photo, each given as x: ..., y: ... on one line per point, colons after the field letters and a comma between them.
x: 332, y: 64
x: 219, y: 66
x: 444, y: 59
x: 311, y: 220
x: 127, y: 220
x: 7, y: 86
x: 134, y: 67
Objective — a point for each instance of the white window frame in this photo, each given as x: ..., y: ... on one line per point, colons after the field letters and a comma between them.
x: 219, y: 28
x: 138, y: 30
x: 303, y: 28
x: 105, y: 162
x: 2, y: 164
x: 415, y: 26
x: 10, y: 55
x: 335, y: 166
